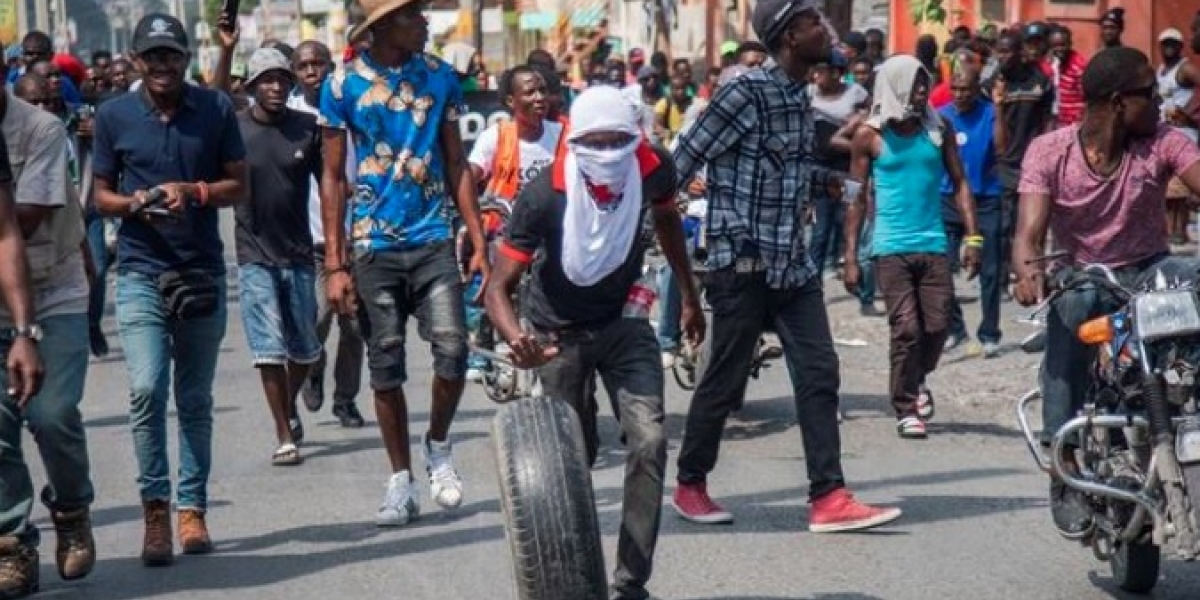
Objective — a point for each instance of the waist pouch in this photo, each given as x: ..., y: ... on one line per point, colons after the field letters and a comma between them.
x: 189, y: 293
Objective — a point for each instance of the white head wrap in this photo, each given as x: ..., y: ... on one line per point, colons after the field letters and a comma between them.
x: 597, y: 237
x: 893, y: 93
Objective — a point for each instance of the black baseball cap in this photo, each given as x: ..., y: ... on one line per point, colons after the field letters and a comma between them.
x: 157, y: 30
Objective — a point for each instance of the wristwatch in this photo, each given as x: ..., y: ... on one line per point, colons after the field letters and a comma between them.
x: 32, y: 332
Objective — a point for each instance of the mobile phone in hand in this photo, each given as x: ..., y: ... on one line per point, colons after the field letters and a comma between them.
x: 229, y: 13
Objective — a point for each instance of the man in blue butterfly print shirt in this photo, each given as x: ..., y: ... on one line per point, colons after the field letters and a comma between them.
x: 401, y: 108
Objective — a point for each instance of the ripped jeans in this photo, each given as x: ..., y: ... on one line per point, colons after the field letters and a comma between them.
x: 422, y: 282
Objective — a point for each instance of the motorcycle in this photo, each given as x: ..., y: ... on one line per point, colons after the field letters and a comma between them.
x: 690, y: 361
x: 1138, y: 434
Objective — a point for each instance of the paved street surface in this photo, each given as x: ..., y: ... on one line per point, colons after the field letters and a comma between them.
x: 975, y: 523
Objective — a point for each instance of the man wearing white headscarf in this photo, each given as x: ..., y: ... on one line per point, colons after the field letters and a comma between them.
x: 579, y: 226
x: 908, y: 149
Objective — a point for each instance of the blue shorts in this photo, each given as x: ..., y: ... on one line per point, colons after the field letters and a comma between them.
x: 279, y: 313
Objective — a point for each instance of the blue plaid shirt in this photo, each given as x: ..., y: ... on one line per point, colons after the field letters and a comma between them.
x: 756, y: 137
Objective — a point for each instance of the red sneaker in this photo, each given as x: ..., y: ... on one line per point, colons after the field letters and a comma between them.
x: 693, y: 504
x: 839, y: 511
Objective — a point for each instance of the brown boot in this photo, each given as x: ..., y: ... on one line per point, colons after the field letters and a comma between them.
x: 18, y: 569
x: 76, y: 551
x: 157, y: 546
x: 193, y: 533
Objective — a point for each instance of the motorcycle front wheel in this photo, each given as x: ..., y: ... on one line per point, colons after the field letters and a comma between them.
x: 1135, y: 566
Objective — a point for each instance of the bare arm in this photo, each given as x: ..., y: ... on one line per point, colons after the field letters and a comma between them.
x: 230, y: 189
x: 498, y: 296
x: 1191, y: 179
x: 863, y: 152
x: 477, y: 173
x: 227, y: 38
x: 1188, y: 77
x: 108, y: 202
x: 1033, y: 219
x: 333, y: 197
x: 14, y: 267
x: 843, y: 139
x: 462, y: 185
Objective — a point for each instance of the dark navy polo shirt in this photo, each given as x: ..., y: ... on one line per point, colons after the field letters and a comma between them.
x: 136, y: 149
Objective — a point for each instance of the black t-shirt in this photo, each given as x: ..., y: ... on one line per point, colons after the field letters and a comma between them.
x: 1029, y: 105
x: 6, y: 174
x: 272, y: 225
x: 552, y: 302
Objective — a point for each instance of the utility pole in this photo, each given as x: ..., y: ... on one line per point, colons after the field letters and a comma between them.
x: 711, y: 43
x: 41, y: 15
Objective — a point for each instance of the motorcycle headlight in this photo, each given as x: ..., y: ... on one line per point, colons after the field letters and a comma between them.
x: 1166, y: 314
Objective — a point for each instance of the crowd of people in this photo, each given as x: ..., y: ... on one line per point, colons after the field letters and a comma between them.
x: 357, y: 201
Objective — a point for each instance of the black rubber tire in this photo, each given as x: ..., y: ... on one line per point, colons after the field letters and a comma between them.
x: 1135, y: 566
x: 549, y: 508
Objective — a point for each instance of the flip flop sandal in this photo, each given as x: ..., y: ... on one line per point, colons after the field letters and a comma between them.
x: 287, y: 455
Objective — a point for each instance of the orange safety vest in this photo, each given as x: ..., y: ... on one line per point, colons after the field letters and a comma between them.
x: 648, y: 162
x: 506, y: 168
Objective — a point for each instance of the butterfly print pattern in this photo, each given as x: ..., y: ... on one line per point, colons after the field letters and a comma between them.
x: 395, y: 117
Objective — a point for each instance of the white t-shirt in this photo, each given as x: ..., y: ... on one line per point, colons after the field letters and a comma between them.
x: 535, y: 156
x: 297, y: 102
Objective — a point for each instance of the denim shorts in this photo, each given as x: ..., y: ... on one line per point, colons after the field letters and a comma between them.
x: 279, y: 313
x: 421, y: 282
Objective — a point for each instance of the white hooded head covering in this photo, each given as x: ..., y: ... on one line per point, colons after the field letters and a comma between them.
x: 893, y: 93
x: 603, y: 187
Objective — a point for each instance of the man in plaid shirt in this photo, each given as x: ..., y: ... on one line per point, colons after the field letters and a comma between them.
x: 756, y: 139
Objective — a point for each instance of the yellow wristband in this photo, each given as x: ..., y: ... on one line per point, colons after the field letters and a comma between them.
x: 974, y: 241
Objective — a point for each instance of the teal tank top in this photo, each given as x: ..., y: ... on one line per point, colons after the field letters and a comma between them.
x: 908, y: 207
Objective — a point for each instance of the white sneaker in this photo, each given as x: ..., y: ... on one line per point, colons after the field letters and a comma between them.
x: 991, y: 349
x: 444, y: 483
x: 668, y: 360
x: 401, y: 504
x: 925, y: 406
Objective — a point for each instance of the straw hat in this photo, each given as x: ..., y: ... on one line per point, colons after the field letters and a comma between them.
x: 374, y: 10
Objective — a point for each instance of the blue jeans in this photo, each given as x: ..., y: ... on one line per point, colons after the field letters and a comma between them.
x: 54, y: 419
x: 827, y: 232
x: 670, y: 309
x: 152, y: 341
x: 987, y: 211
x: 279, y: 313
x: 866, y: 266
x: 101, y: 261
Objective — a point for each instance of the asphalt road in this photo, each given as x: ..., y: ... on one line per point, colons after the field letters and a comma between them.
x: 975, y: 523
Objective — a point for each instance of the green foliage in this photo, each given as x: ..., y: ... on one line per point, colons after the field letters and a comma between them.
x: 213, y: 7
x: 928, y: 11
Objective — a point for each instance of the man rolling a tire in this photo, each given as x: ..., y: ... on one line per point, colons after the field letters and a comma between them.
x: 581, y: 219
